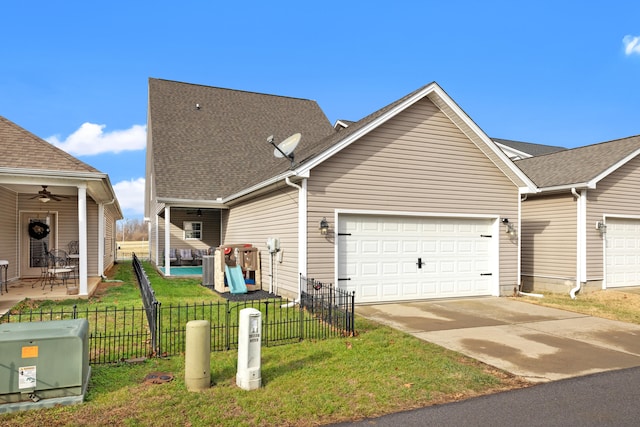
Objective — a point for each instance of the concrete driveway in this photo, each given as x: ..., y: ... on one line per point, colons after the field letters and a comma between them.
x: 538, y: 343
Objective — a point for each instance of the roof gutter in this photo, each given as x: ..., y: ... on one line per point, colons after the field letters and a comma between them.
x: 271, y: 181
x: 14, y: 172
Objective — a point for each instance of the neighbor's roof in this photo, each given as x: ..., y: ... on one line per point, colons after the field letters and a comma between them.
x: 23, y: 150
x: 579, y: 166
x: 210, y: 142
x: 529, y: 148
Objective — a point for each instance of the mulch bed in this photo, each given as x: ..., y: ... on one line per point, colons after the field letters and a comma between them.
x: 253, y: 295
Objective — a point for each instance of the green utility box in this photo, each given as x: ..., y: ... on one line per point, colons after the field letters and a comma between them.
x: 44, y: 361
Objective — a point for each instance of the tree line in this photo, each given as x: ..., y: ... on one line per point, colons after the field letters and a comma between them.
x: 131, y: 229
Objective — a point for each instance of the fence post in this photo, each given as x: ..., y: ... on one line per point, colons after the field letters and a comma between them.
x: 352, y: 322
x: 265, y: 322
x: 155, y: 330
x: 227, y: 335
x: 301, y: 317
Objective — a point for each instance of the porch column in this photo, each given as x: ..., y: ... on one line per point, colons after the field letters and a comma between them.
x: 167, y: 240
x: 101, y: 239
x: 82, y: 238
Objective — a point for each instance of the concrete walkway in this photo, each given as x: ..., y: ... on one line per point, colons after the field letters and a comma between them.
x: 538, y: 343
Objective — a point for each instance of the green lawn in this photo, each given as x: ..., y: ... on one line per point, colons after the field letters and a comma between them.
x: 378, y: 371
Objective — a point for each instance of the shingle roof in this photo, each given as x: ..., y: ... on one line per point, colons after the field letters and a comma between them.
x: 578, y: 165
x: 210, y: 142
x: 23, y: 150
x: 528, y: 147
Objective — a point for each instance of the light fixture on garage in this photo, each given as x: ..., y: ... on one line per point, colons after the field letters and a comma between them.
x: 324, y: 226
x: 601, y: 227
x: 509, y: 227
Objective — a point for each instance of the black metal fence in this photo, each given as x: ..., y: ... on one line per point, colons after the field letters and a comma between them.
x: 123, y: 333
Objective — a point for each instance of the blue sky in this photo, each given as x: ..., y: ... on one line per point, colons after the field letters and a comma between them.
x: 75, y: 73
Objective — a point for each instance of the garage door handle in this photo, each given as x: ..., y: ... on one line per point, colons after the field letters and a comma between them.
x: 419, y: 262
x: 344, y: 278
x: 486, y: 274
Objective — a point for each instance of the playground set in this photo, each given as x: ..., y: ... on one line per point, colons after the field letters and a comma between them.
x: 237, y: 269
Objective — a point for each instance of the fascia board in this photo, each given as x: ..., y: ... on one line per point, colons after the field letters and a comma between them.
x: 271, y: 181
x: 519, y: 153
x: 190, y: 203
x: 577, y: 186
x: 483, y: 137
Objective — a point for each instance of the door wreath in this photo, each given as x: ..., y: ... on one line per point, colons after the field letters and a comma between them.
x: 38, y: 230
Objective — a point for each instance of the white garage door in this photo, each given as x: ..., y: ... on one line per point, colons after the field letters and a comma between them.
x: 388, y: 258
x: 623, y: 252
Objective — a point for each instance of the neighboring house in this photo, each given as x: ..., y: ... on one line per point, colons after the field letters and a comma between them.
x: 517, y: 150
x: 78, y: 204
x: 583, y: 228
x: 419, y: 202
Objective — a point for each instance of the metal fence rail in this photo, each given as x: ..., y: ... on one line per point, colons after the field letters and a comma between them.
x: 122, y: 333
x: 149, y: 302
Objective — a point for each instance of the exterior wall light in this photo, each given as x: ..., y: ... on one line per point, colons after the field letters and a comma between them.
x: 324, y: 226
x: 601, y: 227
x: 509, y: 227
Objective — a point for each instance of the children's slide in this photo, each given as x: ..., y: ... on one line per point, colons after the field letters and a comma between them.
x: 235, y: 279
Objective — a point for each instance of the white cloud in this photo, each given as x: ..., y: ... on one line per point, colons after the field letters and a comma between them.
x: 130, y: 195
x: 90, y: 139
x: 631, y: 45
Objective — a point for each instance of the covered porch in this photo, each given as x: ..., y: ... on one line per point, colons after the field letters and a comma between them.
x: 19, y: 290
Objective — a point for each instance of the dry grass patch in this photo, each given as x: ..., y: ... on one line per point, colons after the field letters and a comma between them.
x: 609, y: 304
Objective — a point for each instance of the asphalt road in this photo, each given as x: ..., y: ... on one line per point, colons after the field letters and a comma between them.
x: 605, y: 399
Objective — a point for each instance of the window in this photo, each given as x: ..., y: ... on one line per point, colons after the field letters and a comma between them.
x: 192, y: 230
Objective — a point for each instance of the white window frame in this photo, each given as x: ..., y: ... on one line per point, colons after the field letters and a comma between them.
x: 187, y: 227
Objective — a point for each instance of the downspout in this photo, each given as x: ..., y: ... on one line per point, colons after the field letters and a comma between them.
x: 302, y: 229
x: 580, y: 244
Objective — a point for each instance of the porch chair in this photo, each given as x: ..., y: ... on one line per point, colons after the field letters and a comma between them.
x: 173, y: 256
x: 197, y: 256
x: 59, y: 270
x: 74, y: 259
x: 186, y: 257
x: 73, y: 247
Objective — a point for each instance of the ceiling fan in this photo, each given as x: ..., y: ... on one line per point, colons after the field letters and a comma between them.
x: 195, y: 212
x: 45, y: 195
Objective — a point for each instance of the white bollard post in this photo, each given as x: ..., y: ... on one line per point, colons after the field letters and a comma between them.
x: 249, y: 376
x: 197, y: 355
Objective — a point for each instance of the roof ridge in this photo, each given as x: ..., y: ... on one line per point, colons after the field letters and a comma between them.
x: 232, y: 90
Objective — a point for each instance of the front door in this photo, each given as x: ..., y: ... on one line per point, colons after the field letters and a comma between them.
x: 35, y: 241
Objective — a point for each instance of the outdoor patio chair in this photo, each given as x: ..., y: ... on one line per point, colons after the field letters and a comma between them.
x: 186, y: 257
x: 58, y: 271
x: 173, y: 257
x: 73, y: 247
x: 197, y: 256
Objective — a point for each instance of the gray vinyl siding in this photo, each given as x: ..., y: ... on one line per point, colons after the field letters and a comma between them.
x: 271, y: 215
x: 67, y: 225
x: 614, y: 195
x: 417, y: 162
x: 109, y: 236
x: 549, y: 236
x: 9, y: 243
x: 210, y: 230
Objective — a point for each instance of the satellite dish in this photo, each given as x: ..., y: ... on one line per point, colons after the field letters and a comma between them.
x: 286, y: 147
